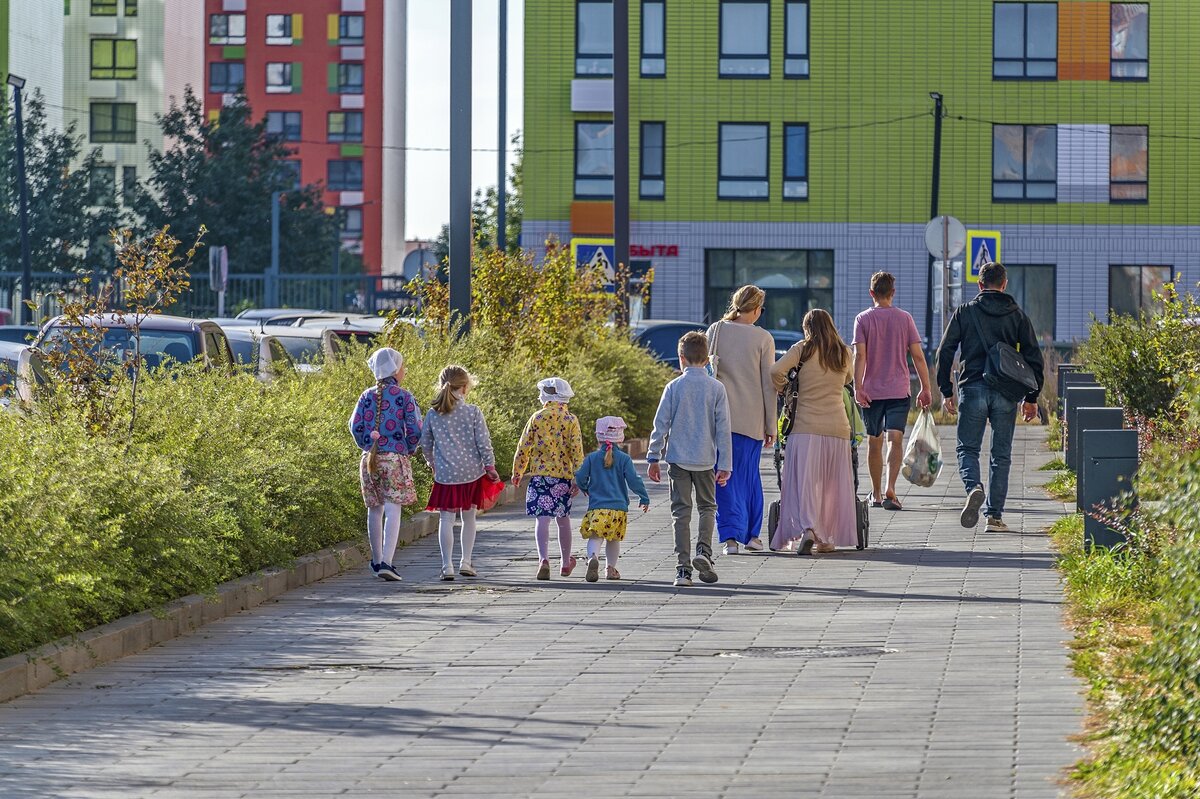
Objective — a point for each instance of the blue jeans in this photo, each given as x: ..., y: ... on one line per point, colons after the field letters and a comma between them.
x: 977, y: 406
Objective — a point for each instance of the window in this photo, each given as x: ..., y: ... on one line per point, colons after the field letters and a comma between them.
x: 131, y: 8
x: 1131, y: 289
x: 350, y: 78
x: 594, y: 161
x: 352, y: 223
x: 350, y: 29
x: 279, y: 77
x: 129, y: 183
x: 284, y: 125
x: 113, y: 123
x: 227, y: 29
x: 114, y: 59
x: 104, y: 8
x: 1024, y: 163
x: 745, y: 39
x: 594, y: 38
x: 795, y: 162
x: 345, y: 126
x: 226, y: 77
x: 1128, y: 173
x: 102, y: 185
x: 1130, y: 55
x: 796, y: 281
x: 289, y: 170
x: 654, y: 38
x: 795, y: 39
x: 742, y: 161
x: 345, y: 176
x: 652, y: 185
x: 1035, y: 288
x: 279, y: 28
x: 1025, y: 40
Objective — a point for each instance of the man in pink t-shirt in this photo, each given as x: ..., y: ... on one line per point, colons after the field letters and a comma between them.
x: 884, y: 337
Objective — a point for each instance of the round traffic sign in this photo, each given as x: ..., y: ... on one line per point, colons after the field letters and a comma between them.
x: 945, y: 231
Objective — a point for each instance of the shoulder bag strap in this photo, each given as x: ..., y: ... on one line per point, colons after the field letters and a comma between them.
x: 973, y: 313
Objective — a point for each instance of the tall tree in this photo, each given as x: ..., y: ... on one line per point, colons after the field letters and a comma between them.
x: 221, y: 174
x: 71, y: 207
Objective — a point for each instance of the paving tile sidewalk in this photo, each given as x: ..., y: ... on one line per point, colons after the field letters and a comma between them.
x: 508, y: 687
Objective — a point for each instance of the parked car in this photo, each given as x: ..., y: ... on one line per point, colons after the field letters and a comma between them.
x: 18, y: 334
x: 303, y: 344
x: 163, y: 338
x: 21, y: 369
x: 265, y: 315
x: 784, y: 340
x: 661, y: 337
x: 261, y: 353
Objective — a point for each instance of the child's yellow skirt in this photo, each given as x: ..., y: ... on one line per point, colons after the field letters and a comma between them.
x: 604, y: 523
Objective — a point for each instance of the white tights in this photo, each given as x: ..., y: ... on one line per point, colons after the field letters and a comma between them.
x: 446, y: 536
x: 612, y: 550
x: 542, y: 532
x: 383, y: 531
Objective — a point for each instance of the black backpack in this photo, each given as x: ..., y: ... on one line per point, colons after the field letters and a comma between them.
x: 1004, y: 370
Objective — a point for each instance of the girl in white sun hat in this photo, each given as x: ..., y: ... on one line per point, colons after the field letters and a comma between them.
x: 550, y: 450
x: 607, y: 476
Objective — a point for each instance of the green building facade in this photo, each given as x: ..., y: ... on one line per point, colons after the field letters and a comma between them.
x: 790, y: 143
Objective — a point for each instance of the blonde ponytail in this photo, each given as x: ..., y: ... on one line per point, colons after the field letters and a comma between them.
x: 608, y: 455
x: 453, y: 378
x: 745, y: 300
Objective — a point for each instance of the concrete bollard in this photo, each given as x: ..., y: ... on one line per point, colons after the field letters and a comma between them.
x: 1078, y: 397
x: 1109, y: 463
x: 1091, y: 419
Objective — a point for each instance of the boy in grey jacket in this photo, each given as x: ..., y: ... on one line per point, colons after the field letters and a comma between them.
x: 692, y: 426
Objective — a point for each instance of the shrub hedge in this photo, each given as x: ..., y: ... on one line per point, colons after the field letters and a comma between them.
x: 222, y: 475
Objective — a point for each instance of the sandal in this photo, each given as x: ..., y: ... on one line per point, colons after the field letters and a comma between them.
x: 568, y: 567
x: 612, y: 573
x: 876, y: 502
x: 892, y: 503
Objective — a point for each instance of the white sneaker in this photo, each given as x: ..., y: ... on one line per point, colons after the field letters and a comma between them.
x: 755, y: 544
x: 731, y: 547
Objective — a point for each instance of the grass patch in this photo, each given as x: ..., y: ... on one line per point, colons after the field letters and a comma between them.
x: 1054, y: 433
x: 1062, y: 486
x: 1056, y: 465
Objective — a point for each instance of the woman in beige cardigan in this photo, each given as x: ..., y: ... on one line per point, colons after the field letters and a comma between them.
x: 742, y: 357
x: 816, y: 497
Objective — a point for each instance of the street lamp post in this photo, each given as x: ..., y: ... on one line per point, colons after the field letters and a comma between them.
x: 938, y: 113
x: 272, y: 283
x: 23, y: 194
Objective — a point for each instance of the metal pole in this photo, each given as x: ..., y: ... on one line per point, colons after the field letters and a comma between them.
x: 933, y: 212
x: 272, y: 298
x: 945, y: 270
x: 460, y: 160
x: 621, y: 132
x: 23, y: 200
x: 502, y: 99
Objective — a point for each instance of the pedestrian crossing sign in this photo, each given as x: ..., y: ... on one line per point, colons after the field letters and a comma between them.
x: 983, y: 247
x: 595, y: 253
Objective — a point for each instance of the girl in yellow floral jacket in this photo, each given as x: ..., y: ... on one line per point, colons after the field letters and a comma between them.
x: 550, y: 451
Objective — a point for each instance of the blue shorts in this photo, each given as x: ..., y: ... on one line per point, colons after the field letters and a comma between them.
x: 887, y: 414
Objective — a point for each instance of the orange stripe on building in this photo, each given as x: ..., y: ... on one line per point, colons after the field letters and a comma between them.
x: 1083, y: 41
x: 592, y: 218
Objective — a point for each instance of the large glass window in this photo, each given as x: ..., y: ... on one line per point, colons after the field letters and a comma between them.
x: 654, y: 38
x: 1025, y: 40
x: 1035, y: 288
x: 350, y: 78
x: 594, y: 161
x: 345, y: 176
x: 131, y: 8
x: 1129, y: 58
x: 290, y: 171
x: 113, y: 123
x: 104, y: 8
x: 1024, y: 163
x: 795, y: 40
x: 102, y: 185
x: 796, y: 281
x: 279, y: 28
x: 352, y: 223
x: 345, y: 126
x: 284, y: 125
x: 795, y: 161
x: 742, y: 161
x: 279, y: 77
x: 652, y: 185
x: 1129, y: 164
x: 226, y: 77
x: 1131, y: 289
x: 594, y: 38
x: 350, y: 29
x: 114, y: 59
x: 227, y: 29
x: 745, y: 39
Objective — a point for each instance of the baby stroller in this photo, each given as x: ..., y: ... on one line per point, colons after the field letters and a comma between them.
x: 787, y: 416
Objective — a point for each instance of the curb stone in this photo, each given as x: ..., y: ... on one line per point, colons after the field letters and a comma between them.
x: 33, y: 670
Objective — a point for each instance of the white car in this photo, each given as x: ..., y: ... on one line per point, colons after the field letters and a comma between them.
x: 263, y: 353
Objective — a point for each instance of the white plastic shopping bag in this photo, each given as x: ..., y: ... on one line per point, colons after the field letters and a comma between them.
x: 923, y: 455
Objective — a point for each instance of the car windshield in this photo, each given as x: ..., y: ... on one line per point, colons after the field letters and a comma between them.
x: 243, y: 349
x: 301, y: 348
x: 157, y: 345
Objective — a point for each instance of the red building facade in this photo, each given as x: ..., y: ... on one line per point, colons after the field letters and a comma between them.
x: 315, y: 70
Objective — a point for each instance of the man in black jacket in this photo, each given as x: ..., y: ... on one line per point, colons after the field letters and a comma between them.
x: 1000, y: 319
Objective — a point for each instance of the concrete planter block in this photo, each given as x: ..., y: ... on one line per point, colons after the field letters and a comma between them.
x: 14, y: 674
